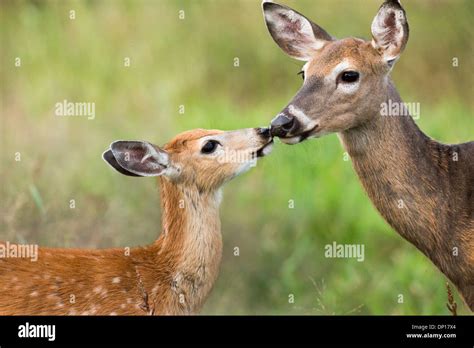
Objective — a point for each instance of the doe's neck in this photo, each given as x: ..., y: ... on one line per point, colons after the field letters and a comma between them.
x: 393, y: 159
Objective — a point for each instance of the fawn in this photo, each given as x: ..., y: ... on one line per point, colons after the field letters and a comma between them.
x: 422, y: 188
x: 175, y: 274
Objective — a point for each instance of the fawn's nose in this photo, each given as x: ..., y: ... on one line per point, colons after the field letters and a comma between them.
x: 264, y: 132
x: 281, y: 125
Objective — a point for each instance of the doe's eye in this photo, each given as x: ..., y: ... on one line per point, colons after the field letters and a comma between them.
x: 209, y: 147
x: 301, y: 73
x: 350, y: 76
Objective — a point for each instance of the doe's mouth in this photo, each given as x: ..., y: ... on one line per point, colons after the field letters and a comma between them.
x: 298, y: 138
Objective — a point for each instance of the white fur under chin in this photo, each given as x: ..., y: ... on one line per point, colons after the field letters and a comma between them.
x: 267, y: 149
x: 245, y: 167
x: 291, y: 141
x: 218, y: 196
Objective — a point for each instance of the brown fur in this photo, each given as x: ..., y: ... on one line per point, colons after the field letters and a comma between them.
x: 395, y: 161
x: 174, y: 275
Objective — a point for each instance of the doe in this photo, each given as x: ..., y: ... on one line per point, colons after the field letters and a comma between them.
x: 423, y: 189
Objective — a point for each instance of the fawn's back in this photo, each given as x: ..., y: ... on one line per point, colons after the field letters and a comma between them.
x: 71, y: 281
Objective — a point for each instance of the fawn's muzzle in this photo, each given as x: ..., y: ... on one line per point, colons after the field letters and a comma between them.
x: 264, y: 132
x: 282, y: 125
x: 267, y: 138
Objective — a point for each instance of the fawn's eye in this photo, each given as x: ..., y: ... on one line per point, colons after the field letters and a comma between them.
x: 349, y: 76
x: 209, y: 147
x: 301, y: 73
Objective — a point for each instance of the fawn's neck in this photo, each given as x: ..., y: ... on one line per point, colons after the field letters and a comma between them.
x: 190, y: 241
x: 395, y: 163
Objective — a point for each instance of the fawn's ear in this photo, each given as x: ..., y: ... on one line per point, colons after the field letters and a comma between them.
x: 390, y: 31
x: 137, y: 158
x: 108, y: 157
x: 299, y: 37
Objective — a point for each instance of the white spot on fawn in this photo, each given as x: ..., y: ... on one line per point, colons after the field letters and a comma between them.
x: 98, y: 289
x: 116, y: 280
x: 34, y: 294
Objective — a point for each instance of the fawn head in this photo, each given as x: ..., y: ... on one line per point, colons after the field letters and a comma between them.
x: 202, y: 158
x: 344, y: 80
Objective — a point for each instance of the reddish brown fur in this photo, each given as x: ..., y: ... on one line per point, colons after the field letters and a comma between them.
x: 174, y: 275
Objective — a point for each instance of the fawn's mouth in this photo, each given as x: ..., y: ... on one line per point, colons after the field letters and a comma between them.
x: 265, y: 150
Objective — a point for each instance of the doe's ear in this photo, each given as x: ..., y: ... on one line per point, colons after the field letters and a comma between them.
x: 137, y: 158
x: 390, y: 31
x: 296, y: 35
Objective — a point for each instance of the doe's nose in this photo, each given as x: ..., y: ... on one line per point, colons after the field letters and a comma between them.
x: 281, y: 125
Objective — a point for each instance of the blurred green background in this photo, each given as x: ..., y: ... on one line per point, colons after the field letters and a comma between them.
x: 190, y: 62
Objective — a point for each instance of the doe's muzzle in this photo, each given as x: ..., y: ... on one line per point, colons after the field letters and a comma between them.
x: 282, y: 125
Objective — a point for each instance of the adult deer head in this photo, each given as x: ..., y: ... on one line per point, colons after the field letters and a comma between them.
x: 344, y: 80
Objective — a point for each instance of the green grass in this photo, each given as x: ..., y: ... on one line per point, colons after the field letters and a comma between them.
x: 190, y: 62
